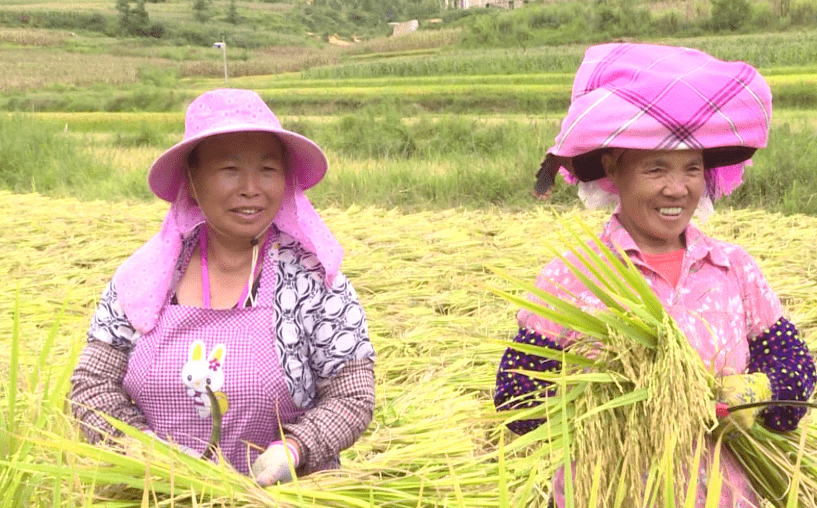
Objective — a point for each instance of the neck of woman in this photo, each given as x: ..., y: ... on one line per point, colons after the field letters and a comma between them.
x: 228, y: 255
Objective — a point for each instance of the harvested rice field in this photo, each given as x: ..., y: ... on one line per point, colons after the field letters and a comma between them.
x: 422, y: 278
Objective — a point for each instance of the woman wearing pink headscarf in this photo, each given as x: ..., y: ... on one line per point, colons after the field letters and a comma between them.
x: 660, y: 133
x: 236, y: 308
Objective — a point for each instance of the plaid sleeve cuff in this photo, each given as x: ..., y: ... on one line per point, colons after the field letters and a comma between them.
x: 96, y: 387
x: 344, y: 409
x: 785, y: 359
x: 517, y: 391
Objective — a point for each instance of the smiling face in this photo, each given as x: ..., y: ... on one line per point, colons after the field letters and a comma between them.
x: 659, y: 191
x: 239, y: 181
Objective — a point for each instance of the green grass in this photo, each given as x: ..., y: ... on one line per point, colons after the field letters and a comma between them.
x: 377, y: 157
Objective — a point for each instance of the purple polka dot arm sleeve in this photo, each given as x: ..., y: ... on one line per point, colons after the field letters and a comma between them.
x: 785, y: 359
x: 517, y: 391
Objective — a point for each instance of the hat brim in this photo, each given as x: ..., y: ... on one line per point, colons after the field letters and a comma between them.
x: 587, y: 166
x: 306, y: 161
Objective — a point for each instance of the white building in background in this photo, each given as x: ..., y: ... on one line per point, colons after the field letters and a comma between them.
x: 406, y: 27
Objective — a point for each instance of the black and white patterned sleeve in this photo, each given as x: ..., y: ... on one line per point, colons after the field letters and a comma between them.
x: 318, y: 328
x: 340, y: 333
x: 109, y: 324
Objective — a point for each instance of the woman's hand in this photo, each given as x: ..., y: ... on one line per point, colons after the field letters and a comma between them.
x: 273, y: 465
x: 738, y: 389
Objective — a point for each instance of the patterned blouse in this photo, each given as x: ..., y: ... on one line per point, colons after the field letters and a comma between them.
x: 322, y: 341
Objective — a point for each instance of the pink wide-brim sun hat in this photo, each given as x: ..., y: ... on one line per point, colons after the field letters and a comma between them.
x: 232, y: 110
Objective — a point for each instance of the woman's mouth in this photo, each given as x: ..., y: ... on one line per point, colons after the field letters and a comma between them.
x: 673, y: 211
x: 248, y: 211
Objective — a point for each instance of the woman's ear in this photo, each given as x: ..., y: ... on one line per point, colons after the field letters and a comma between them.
x: 608, y: 162
x: 191, y: 188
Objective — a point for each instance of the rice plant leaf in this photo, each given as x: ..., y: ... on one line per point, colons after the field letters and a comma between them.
x: 602, y: 259
x: 589, y: 377
x: 651, y: 486
x: 577, y: 317
x: 601, y: 294
x: 639, y: 316
x: 622, y: 400
x: 619, y: 273
x: 620, y: 492
x: 713, y: 494
x: 45, y: 349
x: 624, y: 327
x: 14, y: 358
x: 567, y: 462
x: 546, y: 352
x: 595, y: 487
x: 549, y: 432
x: 669, y: 472
x: 628, y: 272
x: 457, y: 489
x: 60, y: 388
x: 503, y: 482
x: 795, y: 481
x: 692, y: 486
x: 639, y: 283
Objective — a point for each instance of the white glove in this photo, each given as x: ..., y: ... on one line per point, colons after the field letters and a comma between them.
x: 273, y: 465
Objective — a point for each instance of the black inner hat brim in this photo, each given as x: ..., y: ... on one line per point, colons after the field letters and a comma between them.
x: 588, y: 167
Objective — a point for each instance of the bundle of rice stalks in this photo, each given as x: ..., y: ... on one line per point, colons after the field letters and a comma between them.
x: 781, y: 466
x: 633, y: 398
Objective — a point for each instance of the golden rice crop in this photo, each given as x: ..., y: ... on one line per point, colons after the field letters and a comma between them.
x: 420, y: 277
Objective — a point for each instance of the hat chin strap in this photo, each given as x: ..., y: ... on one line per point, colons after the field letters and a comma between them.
x: 253, y: 242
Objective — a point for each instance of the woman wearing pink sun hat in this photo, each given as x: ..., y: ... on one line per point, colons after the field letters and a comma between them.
x: 659, y: 133
x: 235, y: 317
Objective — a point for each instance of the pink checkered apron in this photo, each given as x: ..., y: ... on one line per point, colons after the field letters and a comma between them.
x: 232, y: 351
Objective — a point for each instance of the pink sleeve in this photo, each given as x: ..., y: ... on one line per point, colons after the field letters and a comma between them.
x: 761, y: 304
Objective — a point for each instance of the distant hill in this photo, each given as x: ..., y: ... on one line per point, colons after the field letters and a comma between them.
x: 266, y: 23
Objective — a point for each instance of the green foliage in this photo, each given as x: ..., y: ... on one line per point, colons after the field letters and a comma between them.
x: 201, y: 10
x: 123, y: 8
x: 139, y: 19
x: 147, y: 135
x: 232, y: 14
x: 361, y: 17
x: 804, y: 13
x: 62, y: 20
x: 35, y: 156
x: 555, y: 24
x: 782, y: 178
x: 730, y: 15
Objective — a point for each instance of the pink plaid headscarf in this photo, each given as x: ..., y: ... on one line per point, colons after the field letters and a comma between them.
x: 143, y: 280
x: 645, y: 96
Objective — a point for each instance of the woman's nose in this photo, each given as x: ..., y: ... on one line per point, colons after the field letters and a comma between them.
x: 675, y: 186
x: 249, y: 183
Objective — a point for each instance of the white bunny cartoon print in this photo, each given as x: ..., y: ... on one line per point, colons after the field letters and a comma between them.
x: 202, y: 371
